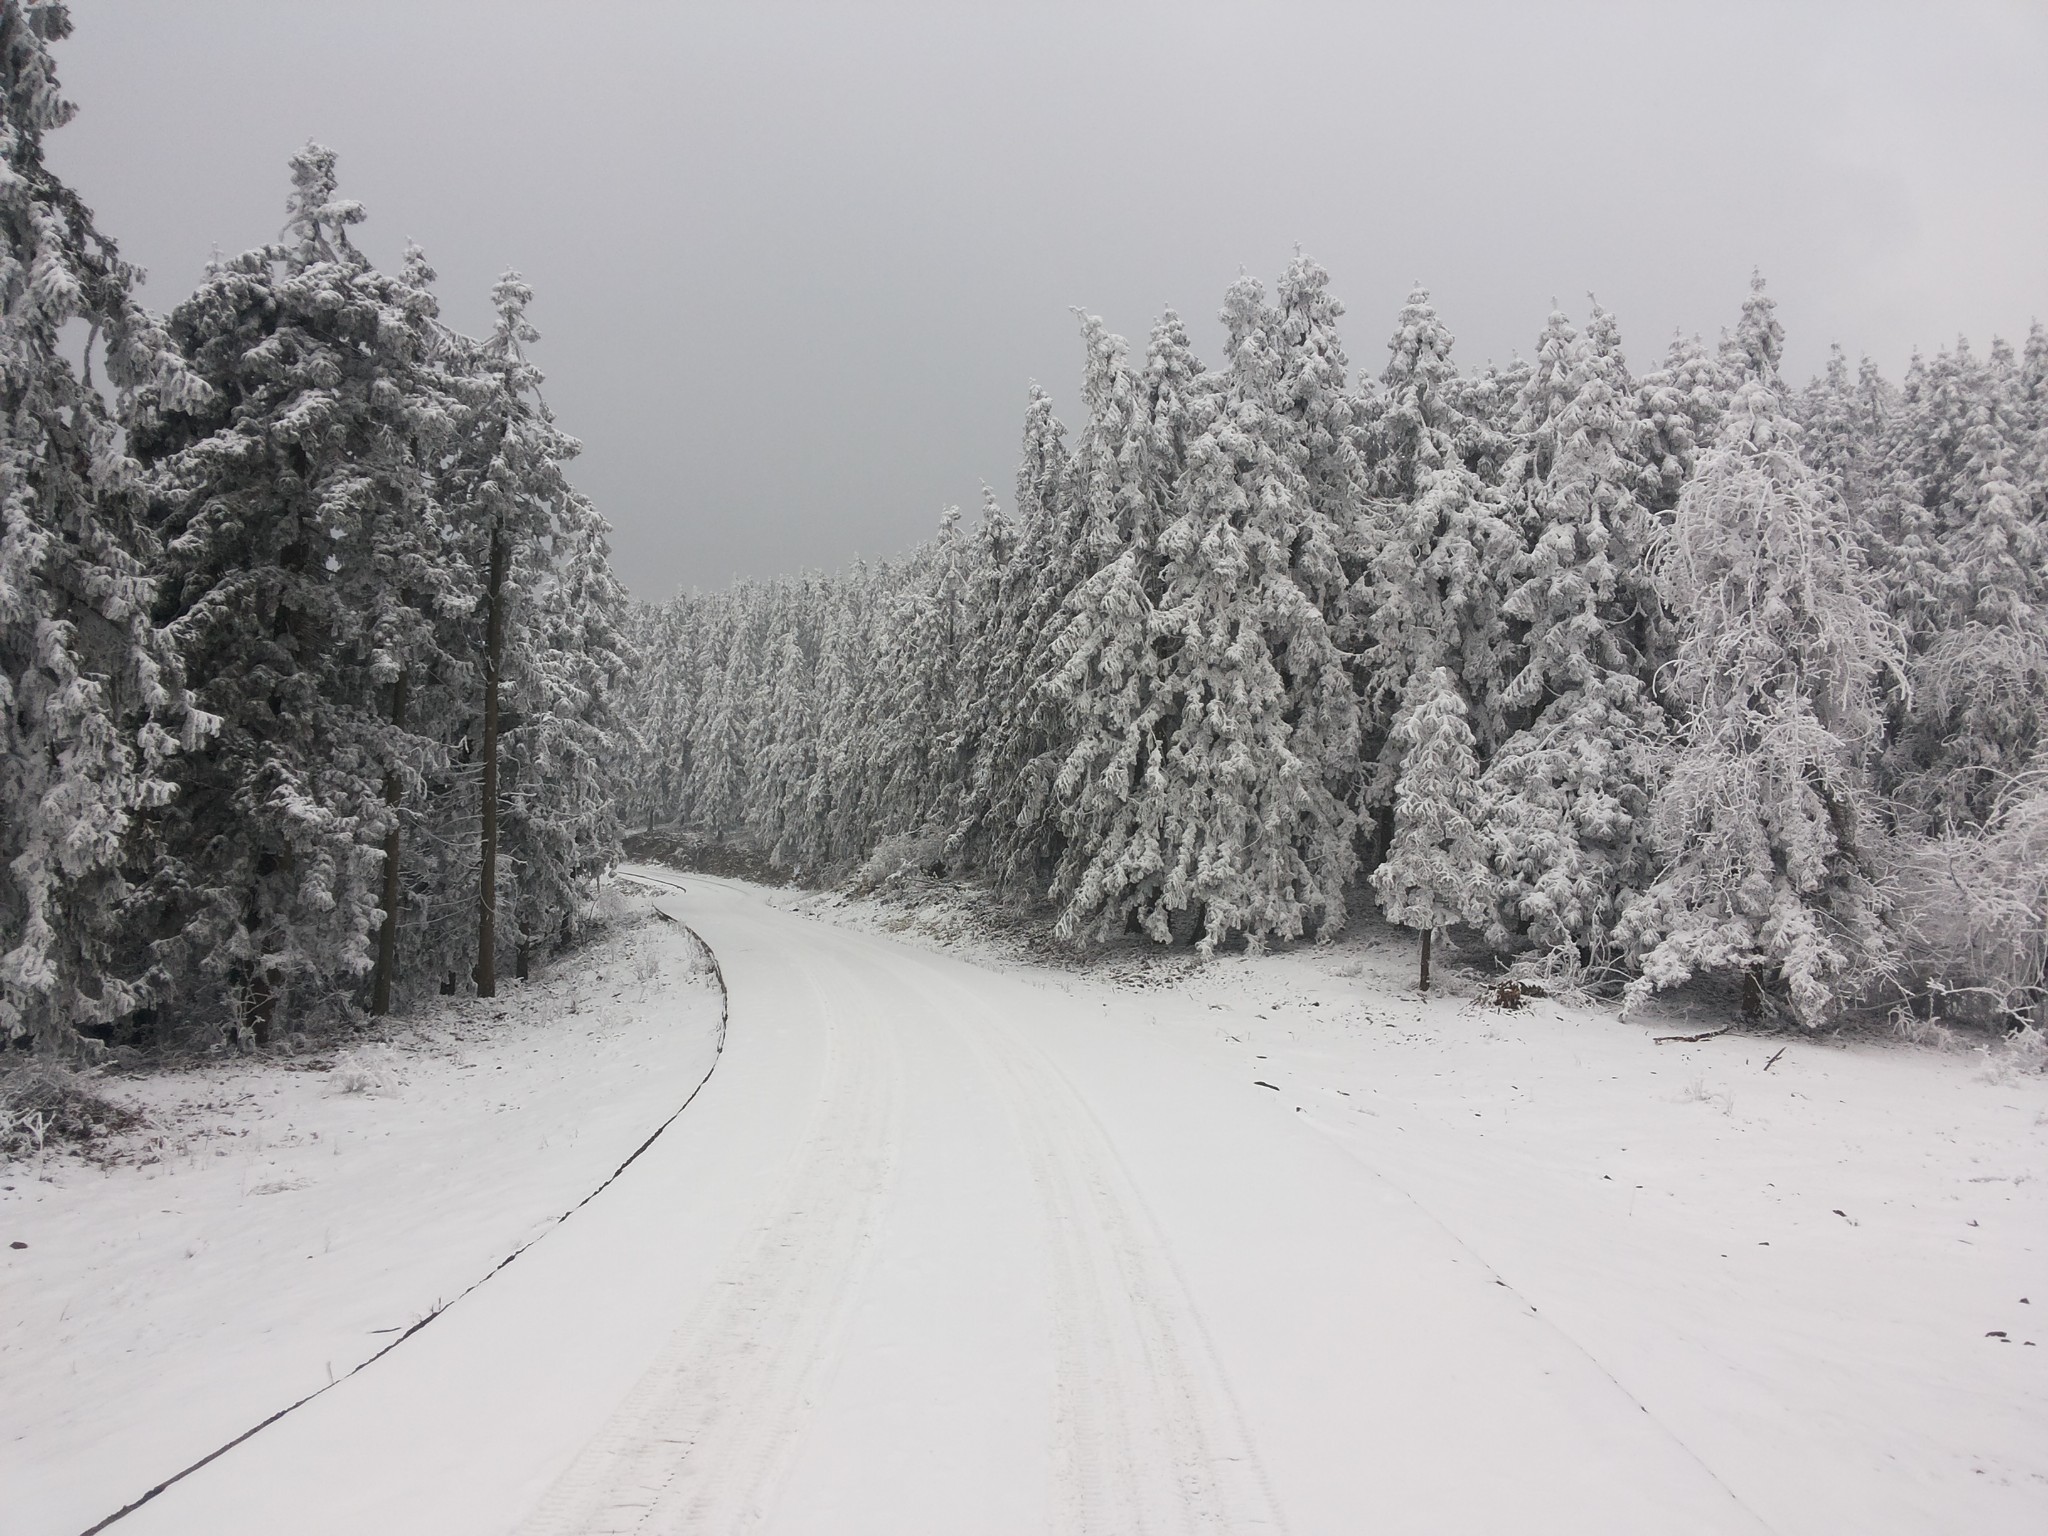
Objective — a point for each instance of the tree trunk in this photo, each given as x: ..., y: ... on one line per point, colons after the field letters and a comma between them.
x: 387, y: 937
x: 494, y: 650
x: 1427, y: 935
x: 1752, y: 997
x: 261, y: 1006
x: 521, y: 957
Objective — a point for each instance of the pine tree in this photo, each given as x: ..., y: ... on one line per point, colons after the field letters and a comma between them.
x: 1009, y: 827
x: 1680, y: 405
x: 845, y: 807
x: 552, y: 644
x: 980, y: 710
x: 91, y: 710
x: 1434, y: 873
x: 307, y: 569
x: 545, y: 626
x: 789, y: 755
x: 1310, y: 392
x: 1534, y: 418
x: 1231, y: 828
x: 1782, y: 653
x: 569, y: 661
x: 1564, y: 799
x: 920, y: 651
x: 1103, y: 682
x: 1981, y: 676
x: 1283, y: 391
x: 1442, y: 550
x: 1486, y: 406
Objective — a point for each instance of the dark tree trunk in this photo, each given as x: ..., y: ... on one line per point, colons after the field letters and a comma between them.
x: 521, y: 957
x: 1752, y: 997
x: 494, y: 650
x: 1427, y: 935
x: 387, y: 937
x: 261, y: 1006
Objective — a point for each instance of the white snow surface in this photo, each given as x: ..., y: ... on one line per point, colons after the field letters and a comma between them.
x: 953, y: 1243
x: 280, y: 1223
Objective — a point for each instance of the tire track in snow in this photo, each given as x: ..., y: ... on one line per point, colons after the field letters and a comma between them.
x: 703, y: 1439
x: 1147, y: 1434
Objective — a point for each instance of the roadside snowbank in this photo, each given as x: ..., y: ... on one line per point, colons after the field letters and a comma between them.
x: 284, y: 1220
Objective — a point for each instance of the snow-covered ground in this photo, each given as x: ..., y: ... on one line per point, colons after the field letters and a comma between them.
x: 1819, y: 1263
x: 282, y: 1223
x: 951, y: 1242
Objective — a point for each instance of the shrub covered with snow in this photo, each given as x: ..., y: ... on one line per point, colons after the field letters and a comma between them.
x: 368, y: 1069
x: 1972, y: 908
x: 45, y: 1105
x: 900, y: 854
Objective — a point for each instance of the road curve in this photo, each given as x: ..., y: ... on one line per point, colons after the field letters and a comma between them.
x: 942, y: 1249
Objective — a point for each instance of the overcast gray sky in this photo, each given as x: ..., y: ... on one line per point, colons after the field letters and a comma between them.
x: 796, y: 264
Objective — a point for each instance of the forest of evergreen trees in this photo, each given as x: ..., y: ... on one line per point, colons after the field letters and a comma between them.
x: 317, y: 689
x: 1632, y: 677
x: 311, y: 660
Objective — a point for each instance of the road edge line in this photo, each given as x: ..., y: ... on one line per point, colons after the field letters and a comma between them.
x: 717, y: 1055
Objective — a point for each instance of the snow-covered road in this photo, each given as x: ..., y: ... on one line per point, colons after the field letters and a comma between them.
x: 945, y: 1250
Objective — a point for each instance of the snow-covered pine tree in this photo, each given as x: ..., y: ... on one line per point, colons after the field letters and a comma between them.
x: 1838, y: 441
x: 1232, y: 830
x: 1533, y: 425
x: 1102, y: 686
x: 545, y: 623
x: 1283, y: 387
x: 789, y: 757
x: 568, y: 661
x: 306, y: 570
x: 1112, y: 782
x: 1486, y: 406
x: 90, y: 703
x: 549, y: 647
x: 1008, y: 827
x: 980, y: 712
x: 1434, y: 873
x: 725, y: 710
x: 1310, y: 391
x: 921, y: 646
x: 1782, y: 652
x: 1680, y: 405
x: 1172, y: 379
x: 1442, y: 551
x: 1563, y: 800
x: 429, y: 791
x: 846, y: 806
x: 1928, y: 475
x: 785, y: 708
x: 665, y: 698
x: 1980, y: 673
x: 2030, y: 389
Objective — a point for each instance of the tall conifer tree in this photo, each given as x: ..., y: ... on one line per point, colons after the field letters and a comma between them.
x: 1781, y: 656
x: 307, y: 570
x: 90, y: 708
